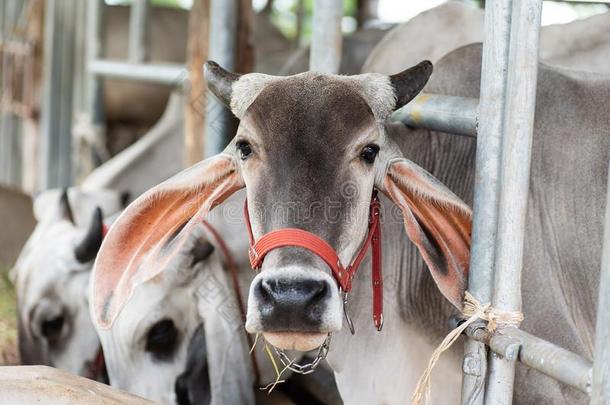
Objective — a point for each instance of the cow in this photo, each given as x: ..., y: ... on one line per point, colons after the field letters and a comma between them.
x: 581, y: 44
x: 51, y: 276
x: 318, y: 145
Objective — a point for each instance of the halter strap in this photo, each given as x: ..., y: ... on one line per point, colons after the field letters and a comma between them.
x: 307, y: 240
x: 235, y: 281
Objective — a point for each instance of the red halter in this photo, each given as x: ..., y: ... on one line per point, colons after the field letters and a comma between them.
x: 307, y: 240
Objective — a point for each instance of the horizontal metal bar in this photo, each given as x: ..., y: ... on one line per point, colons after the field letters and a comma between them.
x: 554, y: 361
x: 456, y: 115
x: 168, y: 74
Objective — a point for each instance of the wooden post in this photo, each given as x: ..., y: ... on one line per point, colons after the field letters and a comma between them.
x: 196, y: 88
x: 244, y: 62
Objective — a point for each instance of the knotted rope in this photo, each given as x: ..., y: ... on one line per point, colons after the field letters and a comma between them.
x: 473, y: 311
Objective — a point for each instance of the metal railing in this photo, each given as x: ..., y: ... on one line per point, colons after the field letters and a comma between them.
x: 503, y: 124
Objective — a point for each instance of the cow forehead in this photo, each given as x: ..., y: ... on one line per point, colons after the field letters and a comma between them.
x: 375, y: 90
x: 309, y: 113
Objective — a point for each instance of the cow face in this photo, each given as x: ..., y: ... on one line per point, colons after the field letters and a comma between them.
x: 52, y: 276
x: 146, y: 349
x: 310, y: 149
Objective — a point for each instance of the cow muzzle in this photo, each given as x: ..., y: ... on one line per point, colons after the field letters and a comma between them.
x: 294, y: 308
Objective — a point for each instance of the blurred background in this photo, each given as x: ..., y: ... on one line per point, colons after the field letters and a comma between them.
x: 96, y: 93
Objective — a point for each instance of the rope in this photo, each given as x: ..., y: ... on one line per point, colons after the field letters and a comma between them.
x: 473, y: 310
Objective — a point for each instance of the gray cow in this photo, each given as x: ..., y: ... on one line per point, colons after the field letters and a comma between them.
x: 312, y: 139
x: 582, y: 44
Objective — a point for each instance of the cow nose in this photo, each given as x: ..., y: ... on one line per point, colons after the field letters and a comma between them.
x: 292, y: 305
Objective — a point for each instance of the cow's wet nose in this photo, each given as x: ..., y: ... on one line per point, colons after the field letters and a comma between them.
x: 292, y: 304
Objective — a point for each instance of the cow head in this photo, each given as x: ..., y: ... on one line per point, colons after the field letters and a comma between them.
x: 52, y: 276
x: 180, y: 338
x: 146, y: 349
x: 309, y: 149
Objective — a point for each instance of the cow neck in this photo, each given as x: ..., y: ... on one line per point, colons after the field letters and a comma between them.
x: 236, y: 287
x: 344, y: 276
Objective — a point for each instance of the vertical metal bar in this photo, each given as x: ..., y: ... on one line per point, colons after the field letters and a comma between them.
x: 56, y: 119
x: 514, y: 179
x: 93, y: 89
x: 4, y: 19
x: 224, y: 15
x: 485, y: 220
x: 138, y: 31
x: 326, y: 39
x: 600, y: 394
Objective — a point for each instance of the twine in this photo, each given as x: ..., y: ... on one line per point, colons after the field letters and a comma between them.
x: 474, y: 311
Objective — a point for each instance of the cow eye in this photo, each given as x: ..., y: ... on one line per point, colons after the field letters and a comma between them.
x: 244, y: 148
x: 51, y: 328
x: 161, y: 339
x: 369, y: 153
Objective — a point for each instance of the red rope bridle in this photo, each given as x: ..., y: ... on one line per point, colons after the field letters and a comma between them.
x: 307, y: 240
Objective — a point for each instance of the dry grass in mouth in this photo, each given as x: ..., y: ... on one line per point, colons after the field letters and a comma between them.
x: 8, y: 322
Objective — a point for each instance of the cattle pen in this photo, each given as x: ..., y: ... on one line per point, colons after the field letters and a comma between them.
x: 501, y: 120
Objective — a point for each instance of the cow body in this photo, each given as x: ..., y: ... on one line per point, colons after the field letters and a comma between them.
x: 564, y: 233
x: 581, y: 44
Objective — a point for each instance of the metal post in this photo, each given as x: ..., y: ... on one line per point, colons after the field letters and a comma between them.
x: 514, y: 179
x: 326, y: 40
x: 484, y: 227
x: 10, y: 124
x: 138, y: 31
x: 456, y: 115
x: 95, y: 18
x: 223, y: 43
x: 56, y: 120
x: 538, y: 354
x: 171, y: 74
x: 600, y: 394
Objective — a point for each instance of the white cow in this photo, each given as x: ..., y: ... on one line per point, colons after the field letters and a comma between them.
x: 51, y: 277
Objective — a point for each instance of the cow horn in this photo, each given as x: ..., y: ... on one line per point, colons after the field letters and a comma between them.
x: 64, y: 206
x: 87, y: 249
x: 408, y: 83
x: 220, y: 81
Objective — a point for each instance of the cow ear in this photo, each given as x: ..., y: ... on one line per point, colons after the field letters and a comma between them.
x: 436, y: 221
x: 153, y: 229
x: 408, y: 83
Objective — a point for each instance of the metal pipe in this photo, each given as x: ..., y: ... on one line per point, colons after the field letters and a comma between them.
x: 538, y: 354
x: 224, y: 16
x: 168, y: 74
x: 457, y: 115
x: 601, y: 370
x: 486, y: 189
x: 138, y: 31
x: 93, y: 90
x: 326, y: 37
x: 514, y: 179
x: 56, y: 117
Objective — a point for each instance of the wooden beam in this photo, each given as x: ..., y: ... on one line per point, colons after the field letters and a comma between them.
x: 196, y: 90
